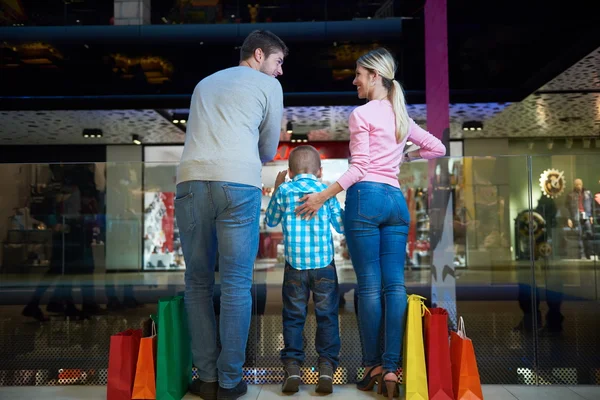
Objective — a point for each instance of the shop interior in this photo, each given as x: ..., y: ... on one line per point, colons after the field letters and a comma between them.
x: 59, y: 213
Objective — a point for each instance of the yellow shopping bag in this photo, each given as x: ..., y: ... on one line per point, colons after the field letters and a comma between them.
x: 413, y: 362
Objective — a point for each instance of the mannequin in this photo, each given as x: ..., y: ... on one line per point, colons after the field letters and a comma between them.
x: 579, y: 205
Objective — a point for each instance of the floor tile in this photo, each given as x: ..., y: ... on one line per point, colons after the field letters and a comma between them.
x: 346, y: 392
x: 587, y: 392
x: 84, y: 393
x: 270, y: 392
x: 543, y: 392
x: 54, y: 392
x: 253, y: 394
x: 496, y: 392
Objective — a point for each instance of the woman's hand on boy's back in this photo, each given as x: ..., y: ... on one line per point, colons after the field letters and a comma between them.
x: 311, y: 203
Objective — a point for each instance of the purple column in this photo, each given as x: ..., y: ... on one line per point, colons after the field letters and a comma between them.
x: 436, y: 69
x: 443, y: 282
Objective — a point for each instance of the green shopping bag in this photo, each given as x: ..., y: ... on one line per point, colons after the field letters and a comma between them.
x: 174, y: 357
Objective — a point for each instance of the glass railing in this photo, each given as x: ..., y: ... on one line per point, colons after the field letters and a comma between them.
x: 87, y: 250
x: 161, y: 12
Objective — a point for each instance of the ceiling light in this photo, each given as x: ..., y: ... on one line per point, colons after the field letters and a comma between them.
x: 136, y: 139
x: 179, y: 117
x: 91, y: 133
x: 472, y: 126
x: 299, y: 138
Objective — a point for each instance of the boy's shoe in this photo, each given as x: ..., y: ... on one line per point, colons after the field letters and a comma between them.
x: 291, y: 379
x: 206, y: 390
x: 233, y: 393
x: 325, y: 384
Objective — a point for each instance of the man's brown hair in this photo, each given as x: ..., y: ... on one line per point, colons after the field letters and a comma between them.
x: 267, y: 41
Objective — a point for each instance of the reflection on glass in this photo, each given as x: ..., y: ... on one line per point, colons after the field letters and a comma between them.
x: 88, y: 249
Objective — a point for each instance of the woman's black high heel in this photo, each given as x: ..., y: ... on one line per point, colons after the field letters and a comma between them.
x: 368, y: 381
x: 389, y: 387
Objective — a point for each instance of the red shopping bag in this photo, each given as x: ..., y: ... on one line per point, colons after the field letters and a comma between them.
x: 437, y: 353
x: 465, y: 375
x: 122, y: 361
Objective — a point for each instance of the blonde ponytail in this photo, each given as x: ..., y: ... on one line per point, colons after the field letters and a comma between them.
x: 381, y: 61
x: 396, y: 97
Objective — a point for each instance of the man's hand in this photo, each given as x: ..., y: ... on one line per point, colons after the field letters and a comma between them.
x: 280, y: 178
x: 570, y: 223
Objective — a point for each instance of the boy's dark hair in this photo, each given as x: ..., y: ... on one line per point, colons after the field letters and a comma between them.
x: 305, y: 160
x: 267, y: 41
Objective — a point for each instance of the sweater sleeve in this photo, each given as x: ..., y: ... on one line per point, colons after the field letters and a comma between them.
x: 359, y: 150
x: 270, y: 129
x: 431, y: 147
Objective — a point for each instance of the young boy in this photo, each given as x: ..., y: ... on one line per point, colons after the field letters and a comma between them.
x: 309, y: 267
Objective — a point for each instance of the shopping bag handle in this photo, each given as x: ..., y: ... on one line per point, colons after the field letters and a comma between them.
x: 153, y: 328
x: 420, y: 299
x: 462, y: 332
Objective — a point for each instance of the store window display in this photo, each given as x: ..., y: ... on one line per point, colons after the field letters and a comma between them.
x: 162, y: 244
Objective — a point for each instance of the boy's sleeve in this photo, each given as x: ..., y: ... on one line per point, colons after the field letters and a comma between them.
x: 336, y: 214
x: 274, y: 210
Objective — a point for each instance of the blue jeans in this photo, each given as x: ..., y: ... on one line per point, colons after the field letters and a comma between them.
x: 376, y: 225
x: 223, y: 216
x: 297, y: 285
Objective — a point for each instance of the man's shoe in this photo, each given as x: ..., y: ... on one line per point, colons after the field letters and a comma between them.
x: 325, y: 384
x: 291, y: 379
x: 206, y: 390
x: 234, y: 393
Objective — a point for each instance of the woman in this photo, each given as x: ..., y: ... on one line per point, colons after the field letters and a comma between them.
x: 376, y: 216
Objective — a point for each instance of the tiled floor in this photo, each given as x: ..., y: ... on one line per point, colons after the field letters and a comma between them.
x: 347, y: 392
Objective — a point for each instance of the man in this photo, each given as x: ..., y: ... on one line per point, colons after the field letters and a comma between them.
x: 233, y: 126
x: 579, y: 204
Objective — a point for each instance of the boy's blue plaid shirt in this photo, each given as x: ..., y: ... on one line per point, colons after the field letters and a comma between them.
x: 308, y: 244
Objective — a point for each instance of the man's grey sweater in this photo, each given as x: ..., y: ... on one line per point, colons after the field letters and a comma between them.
x: 233, y: 126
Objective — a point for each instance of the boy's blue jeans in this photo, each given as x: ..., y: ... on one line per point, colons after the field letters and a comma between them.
x: 297, y: 285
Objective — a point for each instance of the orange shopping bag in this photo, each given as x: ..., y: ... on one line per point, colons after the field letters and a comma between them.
x: 144, y: 387
x: 465, y: 375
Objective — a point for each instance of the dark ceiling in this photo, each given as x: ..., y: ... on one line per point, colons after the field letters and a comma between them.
x: 498, y: 50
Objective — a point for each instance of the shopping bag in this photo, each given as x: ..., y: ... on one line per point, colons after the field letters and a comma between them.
x: 437, y: 353
x: 465, y: 376
x: 414, y: 371
x: 144, y: 387
x: 122, y: 360
x: 173, y: 358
